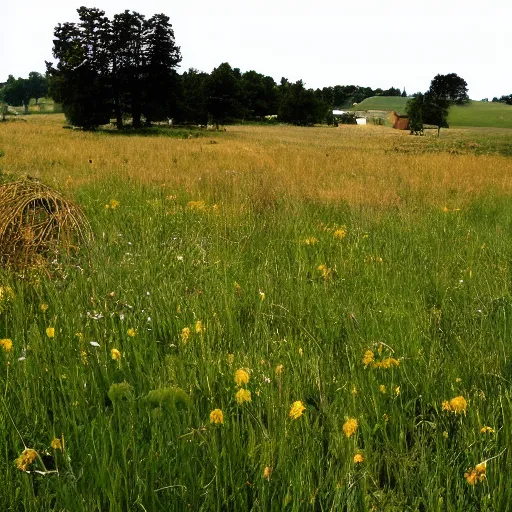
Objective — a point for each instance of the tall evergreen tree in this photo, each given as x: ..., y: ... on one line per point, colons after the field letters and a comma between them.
x: 80, y: 82
x: 193, y: 106
x: 222, y: 94
x: 161, y: 81
x: 128, y: 66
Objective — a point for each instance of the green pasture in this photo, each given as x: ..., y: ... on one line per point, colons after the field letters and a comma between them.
x: 477, y: 113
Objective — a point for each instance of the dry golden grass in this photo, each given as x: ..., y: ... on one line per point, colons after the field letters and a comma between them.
x: 366, y: 165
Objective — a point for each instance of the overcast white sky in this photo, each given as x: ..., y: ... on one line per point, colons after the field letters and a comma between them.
x: 324, y: 42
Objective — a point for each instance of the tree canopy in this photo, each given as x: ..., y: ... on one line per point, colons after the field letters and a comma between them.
x: 451, y: 88
x: 433, y: 106
x: 124, y: 67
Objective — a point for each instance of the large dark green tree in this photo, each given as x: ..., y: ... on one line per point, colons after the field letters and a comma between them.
x: 81, y: 79
x: 258, y: 95
x: 451, y: 88
x: 37, y: 85
x: 124, y: 67
x: 162, y: 56
x: 192, y: 104
x: 433, y: 107
x: 222, y: 91
x: 299, y: 105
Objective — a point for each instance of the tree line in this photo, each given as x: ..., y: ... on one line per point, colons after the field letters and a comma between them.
x: 19, y: 91
x: 124, y: 68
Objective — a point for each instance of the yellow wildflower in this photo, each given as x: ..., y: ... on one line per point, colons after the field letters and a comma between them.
x: 350, y: 427
x: 340, y: 233
x: 50, y: 332
x: 368, y: 358
x: 185, y: 334
x: 6, y: 344
x: 486, y: 430
x: 199, y: 327
x: 301, y: 352
x: 216, y: 416
x: 197, y: 205
x: 388, y: 362
x: 116, y: 355
x: 262, y: 296
x: 6, y: 295
x: 397, y: 390
x: 26, y: 458
x: 297, y: 410
x: 241, y: 377
x: 267, y: 472
x: 473, y: 476
x: 480, y: 468
x: 311, y: 241
x: 243, y: 395
x: 56, y: 444
x: 279, y: 369
x: 445, y: 434
x: 325, y: 270
x: 114, y: 204
x: 44, y: 308
x: 358, y: 458
x: 382, y: 389
x: 131, y: 332
x: 354, y: 390
x: 385, y: 417
x: 456, y: 405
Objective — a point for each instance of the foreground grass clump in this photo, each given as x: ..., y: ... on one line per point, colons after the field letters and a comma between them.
x: 242, y: 347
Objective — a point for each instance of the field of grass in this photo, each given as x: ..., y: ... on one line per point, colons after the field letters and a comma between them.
x: 476, y: 114
x: 270, y: 318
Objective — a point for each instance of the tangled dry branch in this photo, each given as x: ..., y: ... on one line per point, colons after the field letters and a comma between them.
x: 37, y: 224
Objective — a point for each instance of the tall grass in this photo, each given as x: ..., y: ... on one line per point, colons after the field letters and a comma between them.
x: 292, y: 254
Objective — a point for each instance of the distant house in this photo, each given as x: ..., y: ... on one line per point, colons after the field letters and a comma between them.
x: 399, y: 122
x: 349, y: 117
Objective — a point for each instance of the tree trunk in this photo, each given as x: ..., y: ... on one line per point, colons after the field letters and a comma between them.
x: 136, y: 115
x: 117, y: 109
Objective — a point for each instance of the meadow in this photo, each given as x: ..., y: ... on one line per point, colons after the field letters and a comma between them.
x: 269, y: 318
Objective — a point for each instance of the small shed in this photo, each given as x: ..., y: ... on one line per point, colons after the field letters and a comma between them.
x: 399, y: 122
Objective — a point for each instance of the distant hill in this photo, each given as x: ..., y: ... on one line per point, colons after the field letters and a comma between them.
x: 396, y: 103
x: 476, y: 113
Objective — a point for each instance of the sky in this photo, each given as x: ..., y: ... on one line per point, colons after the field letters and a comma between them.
x: 370, y: 43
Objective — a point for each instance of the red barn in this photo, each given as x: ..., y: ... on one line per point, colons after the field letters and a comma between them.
x: 399, y: 122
